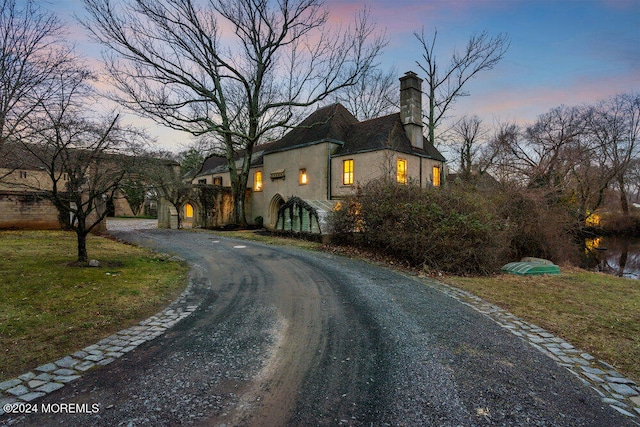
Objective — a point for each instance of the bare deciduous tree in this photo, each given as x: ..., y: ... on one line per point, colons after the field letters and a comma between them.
x: 78, y: 154
x: 238, y: 68
x: 166, y: 178
x: 375, y: 94
x: 505, y: 136
x: 470, y: 146
x: 445, y: 85
x: 614, y: 125
x: 31, y: 56
x: 575, y: 153
x: 542, y: 153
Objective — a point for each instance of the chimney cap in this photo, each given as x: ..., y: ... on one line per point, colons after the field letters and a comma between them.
x: 411, y: 77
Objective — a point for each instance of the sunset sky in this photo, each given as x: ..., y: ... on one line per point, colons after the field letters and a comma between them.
x: 562, y: 51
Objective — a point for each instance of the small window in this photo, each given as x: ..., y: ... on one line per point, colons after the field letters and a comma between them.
x: 257, y: 181
x: 347, y: 172
x: 202, y: 181
x: 303, y: 177
x: 436, y: 176
x: 217, y: 180
x: 401, y: 171
x: 23, y: 174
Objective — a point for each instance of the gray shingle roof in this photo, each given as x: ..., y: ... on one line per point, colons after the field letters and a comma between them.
x: 330, y: 123
x: 336, y: 124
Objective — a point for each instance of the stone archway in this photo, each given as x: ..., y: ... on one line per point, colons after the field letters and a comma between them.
x: 274, y: 206
x: 188, y: 214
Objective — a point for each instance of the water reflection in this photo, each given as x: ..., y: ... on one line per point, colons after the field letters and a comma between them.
x: 614, y: 255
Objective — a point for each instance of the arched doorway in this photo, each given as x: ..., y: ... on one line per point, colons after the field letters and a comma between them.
x: 274, y: 205
x: 187, y: 211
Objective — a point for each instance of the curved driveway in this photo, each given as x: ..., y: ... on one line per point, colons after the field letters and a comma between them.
x: 291, y: 337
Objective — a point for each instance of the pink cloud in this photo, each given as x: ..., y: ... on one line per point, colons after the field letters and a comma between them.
x: 525, y: 104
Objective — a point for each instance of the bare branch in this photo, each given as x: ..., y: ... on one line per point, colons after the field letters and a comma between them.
x: 445, y: 86
x: 239, y: 69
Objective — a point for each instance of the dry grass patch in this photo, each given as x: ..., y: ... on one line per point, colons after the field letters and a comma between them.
x: 595, y: 312
x: 50, y: 309
x: 267, y: 238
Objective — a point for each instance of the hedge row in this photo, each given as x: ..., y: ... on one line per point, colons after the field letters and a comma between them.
x: 455, y: 229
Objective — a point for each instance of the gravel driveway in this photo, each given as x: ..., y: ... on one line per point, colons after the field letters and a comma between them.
x: 292, y: 337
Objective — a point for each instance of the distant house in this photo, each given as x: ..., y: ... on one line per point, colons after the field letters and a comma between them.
x: 294, y: 181
x: 23, y: 182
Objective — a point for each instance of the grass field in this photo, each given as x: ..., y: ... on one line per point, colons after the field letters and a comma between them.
x: 50, y: 308
x: 595, y: 312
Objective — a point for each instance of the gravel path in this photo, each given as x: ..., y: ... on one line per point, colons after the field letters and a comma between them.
x: 291, y: 337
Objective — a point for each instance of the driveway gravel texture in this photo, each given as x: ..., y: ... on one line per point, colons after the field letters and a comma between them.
x: 288, y: 337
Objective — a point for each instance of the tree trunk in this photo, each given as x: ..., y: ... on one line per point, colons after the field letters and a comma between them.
x: 624, y: 200
x: 238, y: 204
x: 82, y: 246
x: 178, y: 208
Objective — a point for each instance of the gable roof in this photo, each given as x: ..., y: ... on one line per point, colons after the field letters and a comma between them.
x: 330, y: 123
x: 218, y: 164
x: 213, y: 164
x: 381, y: 133
x: 334, y: 123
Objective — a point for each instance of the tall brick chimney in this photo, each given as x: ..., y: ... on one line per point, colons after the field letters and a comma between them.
x: 411, y: 107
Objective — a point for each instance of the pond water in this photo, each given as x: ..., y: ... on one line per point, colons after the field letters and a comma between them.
x: 615, y: 255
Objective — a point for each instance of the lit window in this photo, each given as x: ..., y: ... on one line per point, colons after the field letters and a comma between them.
x: 303, y: 176
x: 217, y: 180
x: 347, y: 172
x: 436, y: 176
x: 402, y: 171
x: 257, y: 181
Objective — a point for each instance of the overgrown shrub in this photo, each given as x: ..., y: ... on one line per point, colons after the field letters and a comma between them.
x: 443, y: 229
x: 622, y: 225
x: 537, y: 225
x: 455, y: 229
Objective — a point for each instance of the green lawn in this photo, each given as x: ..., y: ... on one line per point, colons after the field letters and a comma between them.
x: 50, y: 308
x: 595, y: 312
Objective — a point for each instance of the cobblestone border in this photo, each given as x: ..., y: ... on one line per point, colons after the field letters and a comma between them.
x: 52, y: 376
x: 622, y: 394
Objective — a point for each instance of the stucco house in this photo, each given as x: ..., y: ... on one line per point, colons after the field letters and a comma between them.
x: 328, y: 155
x: 23, y: 183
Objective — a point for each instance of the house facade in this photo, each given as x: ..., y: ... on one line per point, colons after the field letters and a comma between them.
x: 328, y: 155
x: 23, y: 187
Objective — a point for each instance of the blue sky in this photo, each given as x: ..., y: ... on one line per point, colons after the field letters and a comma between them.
x: 562, y: 51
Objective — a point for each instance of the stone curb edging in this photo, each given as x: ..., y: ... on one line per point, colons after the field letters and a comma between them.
x: 52, y: 376
x: 620, y: 393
